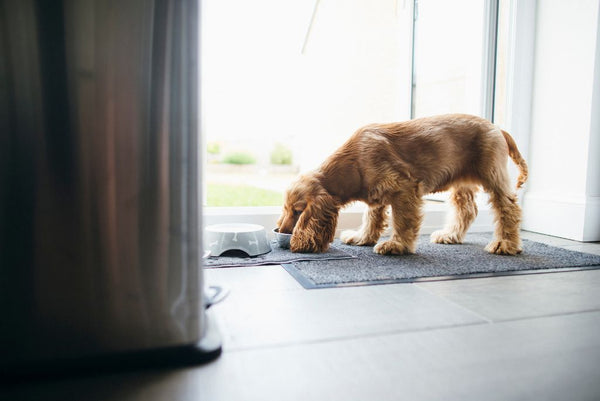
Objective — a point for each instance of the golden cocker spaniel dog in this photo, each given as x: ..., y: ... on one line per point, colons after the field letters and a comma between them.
x: 395, y: 165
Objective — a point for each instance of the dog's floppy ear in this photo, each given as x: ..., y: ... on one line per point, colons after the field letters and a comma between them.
x: 315, y: 228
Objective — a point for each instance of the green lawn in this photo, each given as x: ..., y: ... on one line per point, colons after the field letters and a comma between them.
x: 242, y: 195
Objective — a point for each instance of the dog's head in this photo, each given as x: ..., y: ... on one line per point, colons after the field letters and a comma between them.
x: 310, y: 214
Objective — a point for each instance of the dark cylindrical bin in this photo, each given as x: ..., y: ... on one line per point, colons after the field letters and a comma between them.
x: 100, y: 184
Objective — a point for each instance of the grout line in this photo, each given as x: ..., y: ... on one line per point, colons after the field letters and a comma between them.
x: 478, y: 315
x: 325, y: 340
x: 310, y: 342
x: 546, y: 316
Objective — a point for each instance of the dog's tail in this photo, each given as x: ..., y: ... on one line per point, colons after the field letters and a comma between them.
x: 515, y: 155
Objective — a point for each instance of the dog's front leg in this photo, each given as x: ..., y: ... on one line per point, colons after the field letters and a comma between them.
x: 406, y: 223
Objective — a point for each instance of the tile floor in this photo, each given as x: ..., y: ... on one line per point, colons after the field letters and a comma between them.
x: 526, y: 337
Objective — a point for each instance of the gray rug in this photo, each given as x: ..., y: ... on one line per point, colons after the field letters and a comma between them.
x: 434, y: 262
x: 277, y: 256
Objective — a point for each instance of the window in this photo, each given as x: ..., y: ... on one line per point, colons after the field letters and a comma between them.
x: 448, y: 57
x: 501, y: 87
x: 285, y: 82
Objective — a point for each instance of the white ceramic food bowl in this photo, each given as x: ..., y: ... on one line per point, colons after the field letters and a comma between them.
x: 248, y: 238
x: 283, y: 239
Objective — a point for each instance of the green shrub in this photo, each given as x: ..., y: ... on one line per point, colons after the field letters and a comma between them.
x: 242, y: 195
x: 239, y: 158
x: 281, y: 155
x: 213, y: 148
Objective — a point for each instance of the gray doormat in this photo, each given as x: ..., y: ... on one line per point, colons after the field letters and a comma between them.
x: 277, y: 256
x: 435, y: 262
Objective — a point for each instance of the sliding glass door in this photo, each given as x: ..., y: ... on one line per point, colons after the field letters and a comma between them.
x: 454, y: 57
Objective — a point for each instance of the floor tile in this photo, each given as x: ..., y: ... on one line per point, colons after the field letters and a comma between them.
x: 259, y: 278
x: 522, y: 296
x: 539, y: 359
x: 547, y: 239
x: 587, y: 247
x: 285, y: 317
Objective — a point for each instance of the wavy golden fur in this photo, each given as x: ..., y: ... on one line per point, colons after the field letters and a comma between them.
x: 395, y: 165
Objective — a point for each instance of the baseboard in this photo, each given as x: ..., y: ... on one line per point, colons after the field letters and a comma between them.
x: 576, y: 218
x: 349, y: 219
x: 435, y: 217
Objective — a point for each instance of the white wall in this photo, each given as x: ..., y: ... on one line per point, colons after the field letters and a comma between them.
x: 563, y: 194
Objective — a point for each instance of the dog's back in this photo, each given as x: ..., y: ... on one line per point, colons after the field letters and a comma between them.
x: 436, y: 151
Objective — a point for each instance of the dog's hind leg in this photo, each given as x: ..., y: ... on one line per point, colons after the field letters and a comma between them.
x: 406, y: 218
x: 507, y: 217
x: 463, y: 213
x: 374, y: 222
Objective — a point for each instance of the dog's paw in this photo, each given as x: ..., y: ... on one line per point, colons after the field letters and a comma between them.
x: 303, y: 244
x: 444, y: 237
x: 503, y: 247
x: 393, y: 248
x: 351, y: 237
